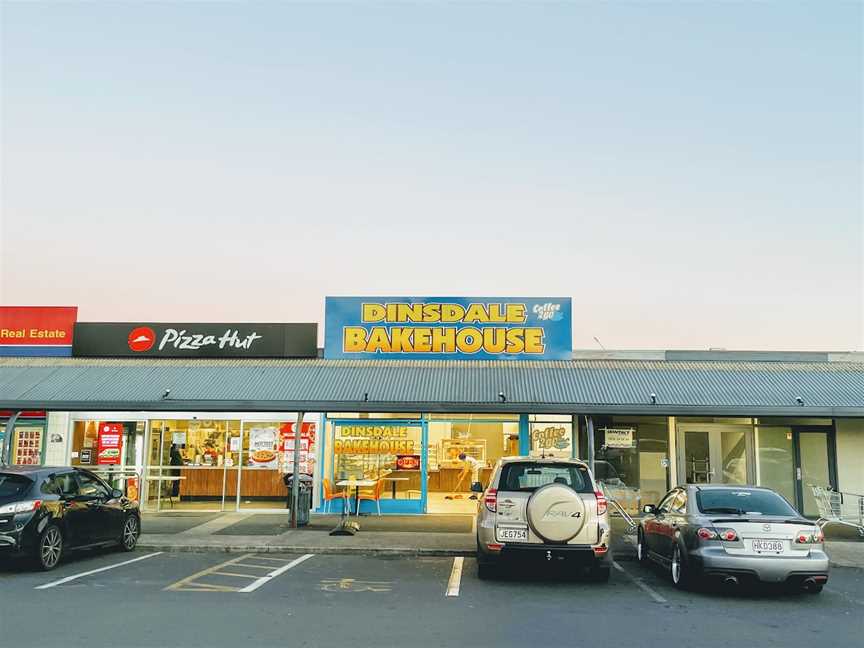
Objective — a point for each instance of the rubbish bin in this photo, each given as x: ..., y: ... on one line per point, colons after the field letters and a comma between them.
x: 304, y: 497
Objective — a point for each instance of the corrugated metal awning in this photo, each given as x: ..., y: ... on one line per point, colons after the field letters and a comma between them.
x: 586, y: 386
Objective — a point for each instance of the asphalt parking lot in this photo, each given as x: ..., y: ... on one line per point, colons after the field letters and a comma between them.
x: 220, y: 599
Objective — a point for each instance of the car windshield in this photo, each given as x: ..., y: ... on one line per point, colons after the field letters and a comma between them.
x: 742, y: 501
x: 528, y: 477
x: 13, y: 485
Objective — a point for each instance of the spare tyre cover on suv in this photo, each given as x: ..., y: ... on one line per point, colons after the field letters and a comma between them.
x: 556, y: 513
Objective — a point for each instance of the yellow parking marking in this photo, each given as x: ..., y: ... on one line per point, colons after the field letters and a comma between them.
x: 255, y: 566
x: 95, y: 571
x: 190, y: 580
x: 234, y: 574
x: 455, y: 577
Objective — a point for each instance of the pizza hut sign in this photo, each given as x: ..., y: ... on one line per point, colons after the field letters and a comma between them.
x: 195, y: 340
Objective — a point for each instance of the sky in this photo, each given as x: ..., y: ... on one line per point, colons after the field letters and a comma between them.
x: 690, y: 173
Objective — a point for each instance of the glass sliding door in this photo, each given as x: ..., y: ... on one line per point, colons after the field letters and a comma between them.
x: 815, y: 467
x: 776, y: 456
x: 715, y: 454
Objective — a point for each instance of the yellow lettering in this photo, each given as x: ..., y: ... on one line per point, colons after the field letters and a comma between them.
x: 443, y: 340
x: 469, y: 340
x: 409, y: 312
x: 373, y: 312
x: 378, y: 340
x: 515, y: 343
x: 515, y: 313
x: 422, y: 341
x: 400, y: 339
x: 495, y: 314
x: 431, y: 312
x: 494, y: 340
x: 534, y: 340
x: 452, y: 312
x: 354, y: 339
x: 476, y: 313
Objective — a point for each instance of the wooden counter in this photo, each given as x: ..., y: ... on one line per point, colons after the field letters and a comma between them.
x: 206, y: 483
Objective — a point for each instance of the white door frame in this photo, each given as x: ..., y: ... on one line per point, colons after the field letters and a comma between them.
x: 714, y: 431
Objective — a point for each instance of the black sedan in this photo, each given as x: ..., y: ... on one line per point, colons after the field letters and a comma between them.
x: 45, y: 511
x: 732, y: 534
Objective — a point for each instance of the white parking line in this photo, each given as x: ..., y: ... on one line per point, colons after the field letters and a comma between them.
x: 639, y: 582
x: 94, y: 571
x: 276, y: 572
x: 455, y: 577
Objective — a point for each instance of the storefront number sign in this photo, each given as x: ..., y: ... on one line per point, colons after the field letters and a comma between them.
x: 480, y: 328
x: 109, y: 443
x: 618, y: 437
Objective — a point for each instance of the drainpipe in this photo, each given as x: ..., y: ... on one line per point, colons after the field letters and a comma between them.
x: 6, y: 450
x: 295, y: 483
x: 590, y: 426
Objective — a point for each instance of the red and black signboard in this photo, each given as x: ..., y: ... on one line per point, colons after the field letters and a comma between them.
x: 36, y: 330
x: 161, y: 340
x: 408, y: 462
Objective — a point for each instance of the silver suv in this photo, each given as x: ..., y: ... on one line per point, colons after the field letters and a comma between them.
x: 544, y: 509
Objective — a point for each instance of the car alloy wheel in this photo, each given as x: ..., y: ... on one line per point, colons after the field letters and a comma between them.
x: 130, y: 533
x: 676, y: 565
x: 50, y: 547
x: 641, y: 549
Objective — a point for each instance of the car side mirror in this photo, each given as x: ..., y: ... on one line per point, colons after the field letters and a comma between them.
x: 116, y: 494
x: 649, y: 509
x: 477, y: 487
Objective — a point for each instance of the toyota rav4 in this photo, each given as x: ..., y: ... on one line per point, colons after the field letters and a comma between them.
x: 543, y: 509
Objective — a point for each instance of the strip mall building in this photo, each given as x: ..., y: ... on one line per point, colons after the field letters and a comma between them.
x: 204, y: 416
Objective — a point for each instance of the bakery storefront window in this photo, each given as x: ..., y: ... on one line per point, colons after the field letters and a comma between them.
x: 631, y: 458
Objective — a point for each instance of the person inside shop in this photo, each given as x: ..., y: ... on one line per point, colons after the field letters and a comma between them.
x: 473, y: 465
x: 176, y: 459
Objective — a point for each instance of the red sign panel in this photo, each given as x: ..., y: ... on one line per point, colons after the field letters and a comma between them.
x: 109, y: 444
x: 408, y: 462
x: 286, y: 432
x: 37, y: 325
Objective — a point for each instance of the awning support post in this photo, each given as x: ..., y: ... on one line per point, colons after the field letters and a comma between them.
x: 589, y: 424
x: 6, y: 450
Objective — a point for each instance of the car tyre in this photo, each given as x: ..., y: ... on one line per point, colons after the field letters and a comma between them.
x: 49, y: 549
x: 678, y: 568
x: 641, y: 548
x: 131, y: 531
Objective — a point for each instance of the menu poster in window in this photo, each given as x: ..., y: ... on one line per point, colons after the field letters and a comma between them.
x: 307, y: 447
x: 108, y: 444
x: 262, y: 447
x: 28, y: 446
x: 619, y: 437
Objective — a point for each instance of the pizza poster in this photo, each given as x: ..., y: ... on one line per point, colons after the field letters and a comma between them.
x: 109, y: 444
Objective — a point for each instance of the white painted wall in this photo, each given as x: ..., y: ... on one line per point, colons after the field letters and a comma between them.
x: 57, y: 439
x: 850, y: 455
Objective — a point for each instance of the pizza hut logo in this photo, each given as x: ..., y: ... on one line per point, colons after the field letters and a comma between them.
x: 142, y: 339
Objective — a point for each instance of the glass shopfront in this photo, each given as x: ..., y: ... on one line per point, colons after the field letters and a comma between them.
x: 113, y: 448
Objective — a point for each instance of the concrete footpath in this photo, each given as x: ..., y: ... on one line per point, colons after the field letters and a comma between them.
x: 387, y: 536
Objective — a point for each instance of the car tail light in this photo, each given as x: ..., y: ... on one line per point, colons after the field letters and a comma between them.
x: 809, y: 536
x: 727, y: 535
x: 602, y: 504
x: 494, y: 546
x: 21, y: 507
x: 490, y: 499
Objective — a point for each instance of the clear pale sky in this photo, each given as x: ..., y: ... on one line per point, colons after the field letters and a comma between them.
x: 690, y: 173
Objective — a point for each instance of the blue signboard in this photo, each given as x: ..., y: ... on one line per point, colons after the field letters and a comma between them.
x: 462, y: 328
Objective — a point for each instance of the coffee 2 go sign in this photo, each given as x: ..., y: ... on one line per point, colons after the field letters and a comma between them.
x: 195, y: 340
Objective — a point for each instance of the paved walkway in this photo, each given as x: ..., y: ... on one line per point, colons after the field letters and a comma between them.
x: 427, y: 537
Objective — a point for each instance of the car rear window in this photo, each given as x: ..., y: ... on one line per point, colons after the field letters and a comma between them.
x: 742, y: 501
x: 13, y: 485
x: 527, y: 477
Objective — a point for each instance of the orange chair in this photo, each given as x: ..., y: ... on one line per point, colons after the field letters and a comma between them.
x: 373, y: 496
x: 330, y: 495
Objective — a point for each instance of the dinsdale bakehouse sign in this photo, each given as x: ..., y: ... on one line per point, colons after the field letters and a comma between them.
x: 164, y: 340
x: 481, y: 328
